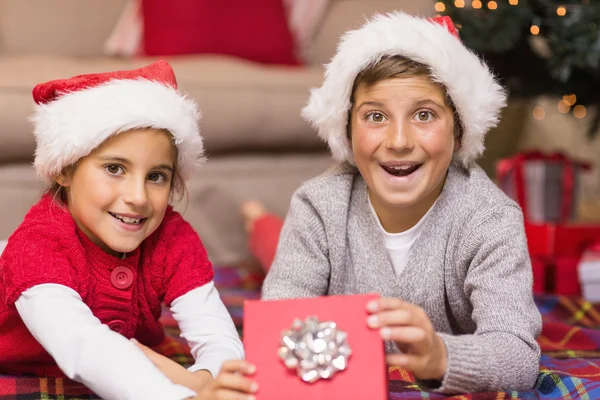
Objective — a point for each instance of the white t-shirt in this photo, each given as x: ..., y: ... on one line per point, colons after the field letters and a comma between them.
x: 398, y: 245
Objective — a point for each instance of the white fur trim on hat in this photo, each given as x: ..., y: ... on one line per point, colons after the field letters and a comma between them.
x: 76, y: 123
x: 475, y: 93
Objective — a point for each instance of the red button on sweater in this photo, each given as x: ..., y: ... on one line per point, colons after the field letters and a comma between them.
x: 49, y: 248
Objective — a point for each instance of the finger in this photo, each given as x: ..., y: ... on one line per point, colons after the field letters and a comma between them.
x: 396, y: 317
x: 241, y: 366
x: 410, y: 362
x: 413, y: 335
x: 236, y: 382
x: 387, y: 303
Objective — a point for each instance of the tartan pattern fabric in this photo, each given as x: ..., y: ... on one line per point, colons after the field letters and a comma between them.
x: 569, y: 368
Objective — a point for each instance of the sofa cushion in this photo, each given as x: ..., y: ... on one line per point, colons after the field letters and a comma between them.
x: 255, y: 31
x: 246, y: 106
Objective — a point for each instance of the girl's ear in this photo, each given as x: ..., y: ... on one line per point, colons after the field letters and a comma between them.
x: 63, y: 179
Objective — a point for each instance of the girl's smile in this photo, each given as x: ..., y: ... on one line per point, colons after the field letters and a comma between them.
x: 118, y: 195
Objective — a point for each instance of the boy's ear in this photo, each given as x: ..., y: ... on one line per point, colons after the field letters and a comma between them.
x: 456, y: 144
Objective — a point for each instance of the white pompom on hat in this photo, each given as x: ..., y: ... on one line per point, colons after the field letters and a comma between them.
x: 74, y: 116
x: 434, y: 42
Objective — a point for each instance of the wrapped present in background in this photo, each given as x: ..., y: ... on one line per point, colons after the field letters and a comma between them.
x: 589, y: 273
x: 545, y: 186
x: 556, y: 251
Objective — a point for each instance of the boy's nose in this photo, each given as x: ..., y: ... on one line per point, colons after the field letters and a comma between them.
x: 399, y: 137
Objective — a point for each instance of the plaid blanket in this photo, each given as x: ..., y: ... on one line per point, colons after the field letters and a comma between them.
x: 570, y: 342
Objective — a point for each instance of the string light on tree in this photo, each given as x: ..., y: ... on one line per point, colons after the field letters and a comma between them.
x: 538, y: 48
x: 570, y: 99
x: 563, y: 107
x: 539, y: 113
x: 440, y: 7
x: 579, y: 111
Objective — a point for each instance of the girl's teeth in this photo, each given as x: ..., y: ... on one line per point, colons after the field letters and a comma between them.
x: 128, y: 220
x: 131, y: 220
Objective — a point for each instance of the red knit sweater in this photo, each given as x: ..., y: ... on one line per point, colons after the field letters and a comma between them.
x: 49, y: 248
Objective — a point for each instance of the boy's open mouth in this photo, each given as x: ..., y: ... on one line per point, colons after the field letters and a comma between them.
x: 404, y: 170
x: 128, y: 220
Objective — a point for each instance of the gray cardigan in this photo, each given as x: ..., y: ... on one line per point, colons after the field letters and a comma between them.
x: 469, y: 270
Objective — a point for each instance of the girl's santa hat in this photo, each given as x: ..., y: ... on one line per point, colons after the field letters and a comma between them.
x: 74, y: 116
x: 477, y: 96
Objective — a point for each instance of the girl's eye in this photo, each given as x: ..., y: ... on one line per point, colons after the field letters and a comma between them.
x: 113, y: 169
x: 157, y: 177
x: 424, y: 116
x: 376, y: 117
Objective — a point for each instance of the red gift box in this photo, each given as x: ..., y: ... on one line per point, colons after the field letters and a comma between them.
x: 365, y: 376
x: 589, y: 273
x: 555, y: 251
x: 538, y: 266
x: 544, y: 185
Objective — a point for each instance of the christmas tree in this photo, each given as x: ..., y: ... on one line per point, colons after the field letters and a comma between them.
x: 537, y: 47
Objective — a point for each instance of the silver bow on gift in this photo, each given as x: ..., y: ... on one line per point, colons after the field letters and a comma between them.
x: 314, y: 348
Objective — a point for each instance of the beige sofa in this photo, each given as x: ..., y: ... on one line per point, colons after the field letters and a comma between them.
x: 257, y: 143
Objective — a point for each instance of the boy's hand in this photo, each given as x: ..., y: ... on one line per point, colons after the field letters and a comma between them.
x: 423, y: 352
x: 232, y: 383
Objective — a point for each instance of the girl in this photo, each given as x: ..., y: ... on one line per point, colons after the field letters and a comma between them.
x: 94, y: 259
x: 408, y: 214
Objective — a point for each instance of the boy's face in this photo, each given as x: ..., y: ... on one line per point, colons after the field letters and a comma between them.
x: 402, y: 141
x: 118, y: 195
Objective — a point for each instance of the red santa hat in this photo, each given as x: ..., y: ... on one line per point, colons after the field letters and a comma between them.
x: 477, y: 96
x: 74, y: 116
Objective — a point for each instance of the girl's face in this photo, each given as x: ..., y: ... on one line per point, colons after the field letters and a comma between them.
x: 118, y: 195
x: 402, y: 140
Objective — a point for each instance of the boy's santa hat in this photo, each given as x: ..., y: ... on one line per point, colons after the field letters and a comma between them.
x: 477, y: 96
x: 74, y: 116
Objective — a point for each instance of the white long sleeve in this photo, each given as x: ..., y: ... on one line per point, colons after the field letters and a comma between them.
x: 208, y: 328
x: 88, y: 351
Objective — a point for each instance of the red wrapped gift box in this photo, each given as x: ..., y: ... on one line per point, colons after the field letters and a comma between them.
x: 544, y: 185
x: 365, y: 376
x: 555, y: 251
x: 589, y: 273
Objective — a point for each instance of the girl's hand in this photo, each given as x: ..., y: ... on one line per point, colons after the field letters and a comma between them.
x: 232, y: 383
x: 423, y: 352
x: 176, y: 372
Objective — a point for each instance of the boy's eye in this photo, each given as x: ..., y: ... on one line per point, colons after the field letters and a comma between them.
x: 376, y: 117
x: 113, y: 169
x: 156, y: 177
x: 424, y: 116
